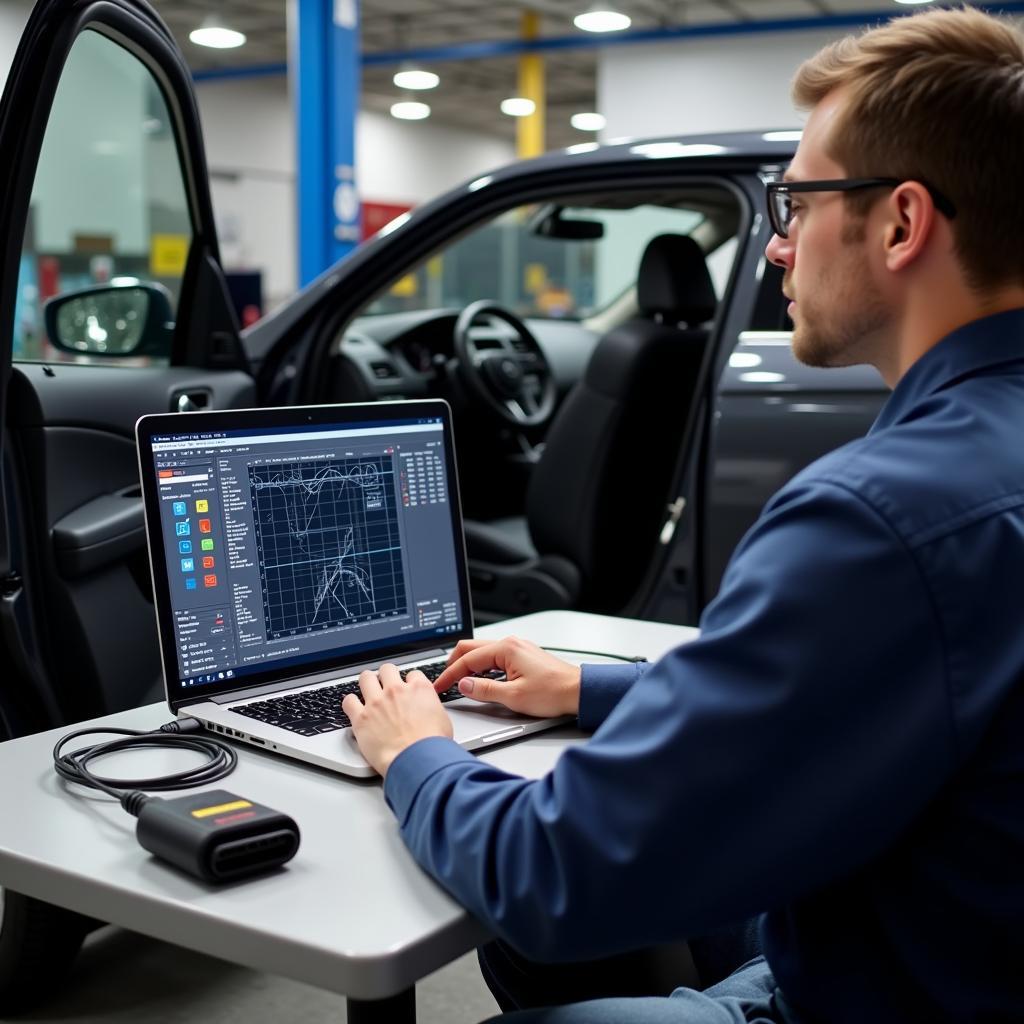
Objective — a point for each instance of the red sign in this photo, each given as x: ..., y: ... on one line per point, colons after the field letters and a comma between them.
x: 376, y: 215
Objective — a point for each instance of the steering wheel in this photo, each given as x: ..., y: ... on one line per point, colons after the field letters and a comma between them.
x: 518, y: 386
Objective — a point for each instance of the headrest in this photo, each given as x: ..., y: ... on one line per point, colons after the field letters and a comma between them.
x: 674, y: 281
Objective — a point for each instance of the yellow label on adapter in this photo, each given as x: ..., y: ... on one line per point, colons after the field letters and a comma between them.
x: 235, y: 805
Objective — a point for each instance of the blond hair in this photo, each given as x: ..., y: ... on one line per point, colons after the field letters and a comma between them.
x: 937, y: 97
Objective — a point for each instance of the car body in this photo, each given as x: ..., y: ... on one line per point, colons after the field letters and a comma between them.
x: 75, y: 546
x: 94, y: 82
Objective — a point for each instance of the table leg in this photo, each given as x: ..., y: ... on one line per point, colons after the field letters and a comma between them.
x: 398, y: 1009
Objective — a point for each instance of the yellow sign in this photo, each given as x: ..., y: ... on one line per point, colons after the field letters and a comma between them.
x: 167, y: 255
x: 406, y: 287
x: 535, y: 277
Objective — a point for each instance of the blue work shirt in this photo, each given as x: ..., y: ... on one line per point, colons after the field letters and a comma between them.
x: 842, y: 749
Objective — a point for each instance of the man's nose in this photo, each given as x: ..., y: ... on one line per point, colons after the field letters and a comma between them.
x: 780, y: 252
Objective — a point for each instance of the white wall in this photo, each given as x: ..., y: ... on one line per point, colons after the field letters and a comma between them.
x: 250, y: 149
x: 731, y: 83
x: 12, y: 22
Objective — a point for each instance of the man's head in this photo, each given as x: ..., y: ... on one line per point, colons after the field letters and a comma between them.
x: 934, y: 103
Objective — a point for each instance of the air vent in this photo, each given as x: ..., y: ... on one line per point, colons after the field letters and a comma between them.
x: 384, y: 371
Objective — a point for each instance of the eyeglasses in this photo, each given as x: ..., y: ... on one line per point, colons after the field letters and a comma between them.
x: 780, y: 203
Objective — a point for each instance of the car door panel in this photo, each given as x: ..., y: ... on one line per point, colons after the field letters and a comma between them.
x: 73, y: 428
x: 81, y: 583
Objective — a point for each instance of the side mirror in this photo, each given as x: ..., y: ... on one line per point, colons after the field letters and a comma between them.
x: 112, y: 320
x: 549, y: 223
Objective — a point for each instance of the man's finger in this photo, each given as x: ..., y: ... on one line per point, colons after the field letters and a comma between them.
x: 463, y: 647
x: 416, y: 676
x: 369, y: 685
x: 479, y: 659
x: 352, y: 706
x: 390, y: 676
x: 488, y: 691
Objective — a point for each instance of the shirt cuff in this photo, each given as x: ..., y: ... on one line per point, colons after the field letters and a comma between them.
x: 602, y: 687
x: 414, y: 766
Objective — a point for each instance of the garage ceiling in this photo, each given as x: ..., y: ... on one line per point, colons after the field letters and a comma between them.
x: 471, y: 90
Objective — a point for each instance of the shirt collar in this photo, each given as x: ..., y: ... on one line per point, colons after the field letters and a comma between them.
x: 982, y: 343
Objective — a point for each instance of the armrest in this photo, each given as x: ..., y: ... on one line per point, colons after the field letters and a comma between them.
x: 99, y: 532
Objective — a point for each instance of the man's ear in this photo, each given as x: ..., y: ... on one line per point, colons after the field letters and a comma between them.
x: 908, y: 228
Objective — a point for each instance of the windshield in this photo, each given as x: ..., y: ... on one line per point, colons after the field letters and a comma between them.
x: 506, y: 260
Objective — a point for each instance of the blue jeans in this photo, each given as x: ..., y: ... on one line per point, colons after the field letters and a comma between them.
x: 732, y: 985
x: 745, y: 997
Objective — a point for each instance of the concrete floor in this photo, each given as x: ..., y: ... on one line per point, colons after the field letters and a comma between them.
x: 122, y: 976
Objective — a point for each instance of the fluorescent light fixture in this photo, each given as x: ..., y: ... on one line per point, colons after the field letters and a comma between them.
x: 788, y: 136
x: 416, y: 78
x: 763, y: 377
x: 664, y: 150
x: 602, y: 18
x: 588, y: 122
x: 213, y: 34
x: 583, y: 147
x: 744, y: 360
x: 518, y: 106
x: 410, y: 110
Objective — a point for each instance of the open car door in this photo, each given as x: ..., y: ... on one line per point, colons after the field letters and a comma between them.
x: 112, y: 304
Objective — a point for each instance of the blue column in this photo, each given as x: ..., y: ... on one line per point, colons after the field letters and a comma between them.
x: 325, y: 77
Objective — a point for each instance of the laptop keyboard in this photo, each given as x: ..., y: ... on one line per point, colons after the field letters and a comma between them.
x: 311, y: 712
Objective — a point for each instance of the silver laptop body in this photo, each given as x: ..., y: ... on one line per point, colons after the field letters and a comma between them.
x: 292, y: 548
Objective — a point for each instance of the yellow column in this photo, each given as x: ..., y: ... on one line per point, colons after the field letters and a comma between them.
x: 530, y: 129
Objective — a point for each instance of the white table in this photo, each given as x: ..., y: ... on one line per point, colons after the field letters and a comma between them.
x: 352, y: 913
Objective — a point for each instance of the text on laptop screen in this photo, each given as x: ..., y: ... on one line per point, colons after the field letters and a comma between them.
x: 296, y: 545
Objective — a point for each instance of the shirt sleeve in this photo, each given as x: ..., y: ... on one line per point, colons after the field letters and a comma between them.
x: 602, y: 687
x: 743, y: 770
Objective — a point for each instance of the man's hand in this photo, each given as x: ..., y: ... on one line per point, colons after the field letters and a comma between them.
x: 536, y: 682
x: 394, y: 714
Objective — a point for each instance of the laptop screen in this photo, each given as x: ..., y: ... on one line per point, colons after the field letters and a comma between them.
x: 289, y: 542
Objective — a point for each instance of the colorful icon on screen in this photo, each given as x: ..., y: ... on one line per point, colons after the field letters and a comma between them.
x: 204, y: 526
x: 202, y: 505
x: 206, y: 543
x: 183, y: 529
x: 188, y: 565
x: 190, y: 583
x: 207, y: 561
x: 210, y: 581
x: 179, y: 508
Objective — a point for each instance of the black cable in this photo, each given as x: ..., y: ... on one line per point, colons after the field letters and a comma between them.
x: 73, y: 767
x: 596, y: 654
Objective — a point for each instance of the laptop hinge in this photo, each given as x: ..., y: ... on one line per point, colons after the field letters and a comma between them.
x: 320, y: 677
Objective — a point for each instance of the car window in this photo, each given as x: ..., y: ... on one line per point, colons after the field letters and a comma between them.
x: 541, y: 261
x: 108, y: 222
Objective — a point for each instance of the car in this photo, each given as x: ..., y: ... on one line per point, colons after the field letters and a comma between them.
x: 620, y: 422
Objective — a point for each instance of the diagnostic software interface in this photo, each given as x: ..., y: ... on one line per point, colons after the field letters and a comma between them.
x: 293, y: 546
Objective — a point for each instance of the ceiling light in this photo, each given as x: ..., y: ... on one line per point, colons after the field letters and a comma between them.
x: 410, y: 110
x: 212, y: 33
x: 602, y: 18
x: 913, y: 1
x: 791, y: 135
x: 763, y: 377
x: 518, y: 106
x: 590, y: 122
x: 415, y: 78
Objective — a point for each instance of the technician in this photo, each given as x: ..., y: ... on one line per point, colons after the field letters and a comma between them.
x: 841, y: 750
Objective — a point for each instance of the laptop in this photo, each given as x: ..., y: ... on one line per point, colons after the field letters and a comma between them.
x: 291, y: 549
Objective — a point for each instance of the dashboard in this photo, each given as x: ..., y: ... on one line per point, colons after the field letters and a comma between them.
x: 404, y: 355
